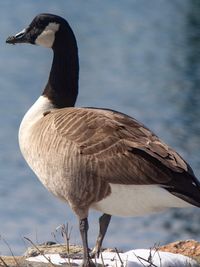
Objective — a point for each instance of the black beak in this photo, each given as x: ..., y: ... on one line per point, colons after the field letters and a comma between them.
x: 18, y: 38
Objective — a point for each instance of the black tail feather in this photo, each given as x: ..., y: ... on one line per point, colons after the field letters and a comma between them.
x: 186, y: 188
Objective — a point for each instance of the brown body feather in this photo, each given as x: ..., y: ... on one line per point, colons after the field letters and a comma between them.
x: 78, y: 152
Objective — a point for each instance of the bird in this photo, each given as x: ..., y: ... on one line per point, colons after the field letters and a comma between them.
x: 95, y: 158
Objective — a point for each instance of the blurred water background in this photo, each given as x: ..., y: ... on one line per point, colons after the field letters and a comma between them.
x: 137, y: 56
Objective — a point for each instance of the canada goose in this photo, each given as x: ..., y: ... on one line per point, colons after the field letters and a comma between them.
x: 91, y: 157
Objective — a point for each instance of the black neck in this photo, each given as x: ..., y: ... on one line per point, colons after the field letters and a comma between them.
x: 62, y: 86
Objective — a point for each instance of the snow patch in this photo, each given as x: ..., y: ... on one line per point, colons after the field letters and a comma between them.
x: 132, y: 258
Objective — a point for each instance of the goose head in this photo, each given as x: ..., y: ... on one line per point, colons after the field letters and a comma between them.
x: 45, y: 30
x: 54, y: 32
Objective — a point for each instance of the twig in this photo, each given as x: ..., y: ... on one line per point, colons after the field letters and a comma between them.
x: 96, y: 263
x: 10, y: 251
x: 146, y: 261
x: 122, y: 264
x: 24, y: 243
x: 138, y: 258
x: 54, y: 235
x: 158, y: 252
x: 66, y: 235
x: 102, y: 259
x: 156, y: 248
x: 39, y: 251
x: 150, y: 256
x: 4, y: 263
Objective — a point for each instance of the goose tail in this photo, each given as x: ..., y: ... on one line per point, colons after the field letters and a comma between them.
x: 187, y: 189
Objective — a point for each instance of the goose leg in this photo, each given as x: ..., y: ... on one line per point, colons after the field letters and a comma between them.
x: 104, y: 221
x: 83, y: 227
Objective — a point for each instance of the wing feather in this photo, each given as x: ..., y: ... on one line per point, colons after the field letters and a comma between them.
x: 120, y: 149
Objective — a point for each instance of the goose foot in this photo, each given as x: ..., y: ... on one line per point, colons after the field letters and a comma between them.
x: 88, y: 263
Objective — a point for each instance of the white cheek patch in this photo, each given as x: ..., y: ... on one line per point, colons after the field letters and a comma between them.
x: 47, y: 37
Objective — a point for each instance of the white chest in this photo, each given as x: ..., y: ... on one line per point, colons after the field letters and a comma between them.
x: 44, y: 163
x: 28, y: 137
x: 32, y: 116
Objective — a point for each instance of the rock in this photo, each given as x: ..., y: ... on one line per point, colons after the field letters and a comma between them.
x: 72, y: 251
x: 190, y: 248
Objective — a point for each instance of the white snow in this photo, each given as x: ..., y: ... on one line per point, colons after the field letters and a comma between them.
x: 132, y: 258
